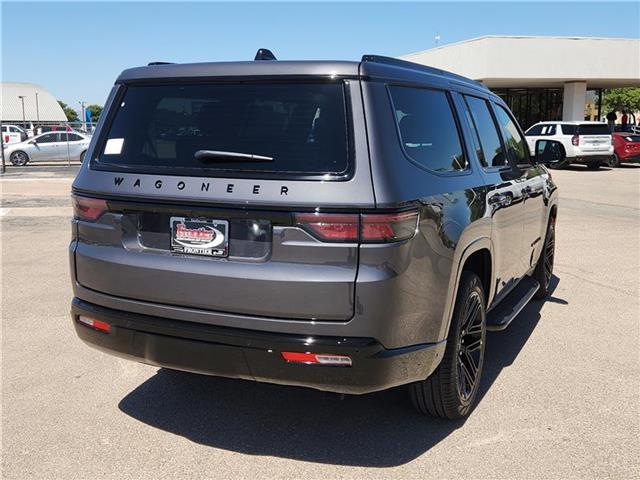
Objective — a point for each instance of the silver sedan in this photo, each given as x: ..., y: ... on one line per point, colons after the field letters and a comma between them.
x: 48, y: 146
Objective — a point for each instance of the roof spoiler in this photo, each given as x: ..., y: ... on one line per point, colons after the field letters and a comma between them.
x: 151, y: 64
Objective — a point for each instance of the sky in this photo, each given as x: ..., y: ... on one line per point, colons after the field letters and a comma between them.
x: 76, y: 50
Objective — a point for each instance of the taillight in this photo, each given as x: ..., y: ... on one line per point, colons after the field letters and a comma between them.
x: 90, y: 209
x: 95, y: 324
x: 330, y: 227
x: 317, y: 358
x: 367, y: 228
x: 388, y: 227
x: 575, y: 140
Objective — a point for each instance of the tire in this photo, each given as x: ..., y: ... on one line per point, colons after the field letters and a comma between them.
x: 593, y: 166
x: 19, y: 158
x: 82, y: 156
x: 613, y: 161
x: 544, y: 267
x: 448, y: 392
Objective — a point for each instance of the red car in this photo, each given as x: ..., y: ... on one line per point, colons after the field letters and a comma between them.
x: 626, y: 147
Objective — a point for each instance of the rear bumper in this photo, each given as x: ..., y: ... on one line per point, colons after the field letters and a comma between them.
x: 587, y: 159
x: 255, y: 355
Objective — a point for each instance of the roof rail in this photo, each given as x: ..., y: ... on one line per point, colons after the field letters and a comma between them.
x: 151, y: 64
x: 264, y: 54
x: 396, y: 62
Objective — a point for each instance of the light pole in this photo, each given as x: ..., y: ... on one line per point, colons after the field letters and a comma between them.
x: 37, y: 109
x: 437, y: 38
x: 24, y: 121
x: 83, y: 118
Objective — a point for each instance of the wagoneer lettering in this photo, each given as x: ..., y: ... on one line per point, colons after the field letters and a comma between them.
x: 344, y: 226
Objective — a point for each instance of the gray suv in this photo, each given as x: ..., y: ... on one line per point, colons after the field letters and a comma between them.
x: 345, y: 226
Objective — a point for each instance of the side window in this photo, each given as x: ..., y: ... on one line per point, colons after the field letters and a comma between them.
x: 548, y: 130
x: 515, y: 144
x: 74, y: 137
x: 62, y: 137
x: 569, y: 129
x: 533, y: 131
x: 491, y: 153
x: 48, y: 138
x: 428, y: 129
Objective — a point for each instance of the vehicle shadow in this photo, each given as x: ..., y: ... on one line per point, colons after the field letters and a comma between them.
x: 375, y: 430
x: 584, y: 168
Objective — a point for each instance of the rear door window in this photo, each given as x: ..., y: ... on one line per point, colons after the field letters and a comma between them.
x: 428, y: 130
x: 230, y: 129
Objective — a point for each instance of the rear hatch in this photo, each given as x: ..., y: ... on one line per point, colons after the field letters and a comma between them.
x: 208, y: 189
x: 594, y: 137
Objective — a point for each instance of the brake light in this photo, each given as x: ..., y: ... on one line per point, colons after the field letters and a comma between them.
x: 575, y: 140
x: 368, y: 228
x: 317, y: 358
x: 93, y: 323
x: 90, y: 209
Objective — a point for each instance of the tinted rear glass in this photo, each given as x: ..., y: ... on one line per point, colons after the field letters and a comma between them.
x: 569, y: 129
x: 289, y: 129
x: 602, y: 129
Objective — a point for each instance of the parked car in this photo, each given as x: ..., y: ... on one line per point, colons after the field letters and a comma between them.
x: 48, y: 146
x: 626, y: 148
x: 588, y: 143
x: 13, y: 134
x: 345, y: 226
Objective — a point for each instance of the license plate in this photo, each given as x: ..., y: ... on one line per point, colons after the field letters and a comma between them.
x: 200, y: 236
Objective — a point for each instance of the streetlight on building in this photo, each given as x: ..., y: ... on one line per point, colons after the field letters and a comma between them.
x: 24, y: 121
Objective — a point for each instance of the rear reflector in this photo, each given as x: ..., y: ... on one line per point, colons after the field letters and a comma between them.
x: 93, y: 323
x: 317, y: 358
x: 367, y: 228
x: 89, y: 209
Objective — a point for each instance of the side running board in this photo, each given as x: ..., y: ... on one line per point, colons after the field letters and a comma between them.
x: 503, y: 314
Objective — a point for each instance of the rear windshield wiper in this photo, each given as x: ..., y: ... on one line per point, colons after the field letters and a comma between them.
x: 222, y: 156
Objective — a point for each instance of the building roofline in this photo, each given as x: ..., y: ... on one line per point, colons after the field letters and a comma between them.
x: 522, y: 37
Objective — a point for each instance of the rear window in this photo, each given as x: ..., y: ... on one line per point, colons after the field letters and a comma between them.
x: 235, y: 129
x: 601, y: 129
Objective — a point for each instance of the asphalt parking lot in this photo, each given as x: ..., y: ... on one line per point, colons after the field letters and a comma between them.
x: 560, y: 397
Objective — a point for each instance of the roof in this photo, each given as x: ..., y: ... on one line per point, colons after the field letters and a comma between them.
x: 371, y: 66
x: 48, y: 109
x: 539, y: 61
x: 240, y: 69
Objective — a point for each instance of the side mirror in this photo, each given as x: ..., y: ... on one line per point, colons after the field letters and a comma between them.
x: 33, y: 142
x: 549, y: 152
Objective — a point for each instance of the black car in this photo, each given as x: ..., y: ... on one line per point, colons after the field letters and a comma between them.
x: 345, y: 226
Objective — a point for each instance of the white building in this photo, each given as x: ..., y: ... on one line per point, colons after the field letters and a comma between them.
x: 542, y: 78
x: 29, y: 103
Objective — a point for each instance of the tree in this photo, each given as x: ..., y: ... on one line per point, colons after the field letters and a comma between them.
x: 95, y: 110
x: 618, y: 99
x: 72, y: 115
